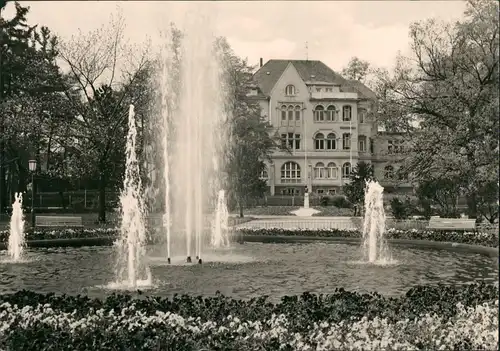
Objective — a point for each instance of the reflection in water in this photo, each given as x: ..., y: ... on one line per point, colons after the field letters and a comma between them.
x: 254, y: 269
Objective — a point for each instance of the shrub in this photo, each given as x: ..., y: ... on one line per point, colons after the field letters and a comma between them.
x: 399, y: 209
x: 340, y: 201
x: 426, y: 317
x: 324, y: 201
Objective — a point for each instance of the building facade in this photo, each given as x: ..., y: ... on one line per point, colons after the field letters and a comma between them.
x: 323, y: 123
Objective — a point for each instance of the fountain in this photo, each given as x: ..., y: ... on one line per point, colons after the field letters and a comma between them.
x: 220, y: 228
x: 375, y: 248
x: 131, y: 270
x: 16, y: 229
x: 191, y: 137
x: 305, y: 211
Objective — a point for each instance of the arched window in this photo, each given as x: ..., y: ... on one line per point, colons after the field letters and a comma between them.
x: 331, y: 113
x: 298, y: 113
x: 346, y: 141
x: 290, y: 90
x: 346, y: 113
x: 346, y: 170
x: 290, y: 172
x: 283, y: 109
x: 290, y: 113
x: 331, y: 141
x: 319, y: 171
x: 362, y: 143
x: 332, y: 170
x: 319, y: 141
x: 264, y: 175
x: 361, y: 115
x: 389, y: 172
x: 319, y: 113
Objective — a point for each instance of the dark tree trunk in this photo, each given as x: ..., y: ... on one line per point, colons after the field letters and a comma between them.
x: 101, y: 218
x: 240, y: 206
x: 472, y: 205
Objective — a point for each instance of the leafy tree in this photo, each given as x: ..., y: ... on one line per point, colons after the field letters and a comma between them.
x: 488, y: 201
x: 356, y: 69
x: 441, y: 193
x: 355, y: 189
x: 105, y: 75
x: 29, y: 92
x: 250, y: 140
x: 450, y: 88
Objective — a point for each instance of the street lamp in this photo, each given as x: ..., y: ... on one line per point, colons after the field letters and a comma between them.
x: 32, y: 168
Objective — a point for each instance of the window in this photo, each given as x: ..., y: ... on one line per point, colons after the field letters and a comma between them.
x: 332, y: 170
x: 290, y: 90
x: 290, y: 114
x: 331, y: 113
x: 346, y: 170
x: 390, y: 147
x: 346, y: 141
x: 318, y: 90
x: 290, y: 191
x: 264, y: 175
x: 328, y: 90
x: 332, y: 191
x: 319, y: 171
x: 346, y: 113
x: 290, y: 172
x: 290, y: 141
x: 331, y: 141
x: 362, y: 143
x: 319, y: 141
x: 298, y: 113
x: 362, y: 115
x: 319, y: 113
x: 320, y: 191
x: 389, y: 172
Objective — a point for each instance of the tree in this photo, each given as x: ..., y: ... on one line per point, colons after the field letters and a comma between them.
x: 104, y: 73
x: 441, y: 193
x: 355, y: 189
x: 250, y: 137
x: 450, y: 88
x: 356, y: 69
x: 30, y: 85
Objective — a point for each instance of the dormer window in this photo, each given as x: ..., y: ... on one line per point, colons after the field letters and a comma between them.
x: 290, y: 90
x: 328, y: 90
x: 318, y: 90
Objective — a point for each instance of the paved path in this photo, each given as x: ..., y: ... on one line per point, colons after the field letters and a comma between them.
x: 294, y: 222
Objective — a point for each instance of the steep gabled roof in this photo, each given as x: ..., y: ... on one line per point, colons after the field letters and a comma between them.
x: 310, y: 71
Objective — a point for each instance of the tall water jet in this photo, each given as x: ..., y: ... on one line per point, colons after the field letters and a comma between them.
x: 374, y: 244
x: 16, y: 242
x: 220, y: 230
x: 194, y: 132
x: 131, y: 269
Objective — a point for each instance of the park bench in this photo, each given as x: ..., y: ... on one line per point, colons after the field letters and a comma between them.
x: 460, y: 224
x: 58, y: 221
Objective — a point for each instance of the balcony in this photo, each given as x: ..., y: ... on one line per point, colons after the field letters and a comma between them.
x: 315, y: 95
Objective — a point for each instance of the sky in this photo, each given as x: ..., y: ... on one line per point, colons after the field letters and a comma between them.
x: 334, y: 31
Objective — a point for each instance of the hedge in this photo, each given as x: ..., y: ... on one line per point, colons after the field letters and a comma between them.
x: 425, y: 318
x: 473, y: 238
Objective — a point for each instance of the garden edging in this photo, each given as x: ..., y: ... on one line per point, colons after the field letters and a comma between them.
x: 242, y: 238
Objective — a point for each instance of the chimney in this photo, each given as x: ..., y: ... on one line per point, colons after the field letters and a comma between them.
x: 261, y: 62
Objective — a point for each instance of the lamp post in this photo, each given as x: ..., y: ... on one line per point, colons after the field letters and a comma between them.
x: 32, y: 168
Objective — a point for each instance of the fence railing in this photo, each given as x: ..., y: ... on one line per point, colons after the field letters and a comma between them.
x: 347, y: 223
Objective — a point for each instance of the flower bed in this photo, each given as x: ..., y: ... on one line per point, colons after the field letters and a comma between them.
x: 490, y: 239
x: 437, y: 318
x: 472, y: 238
